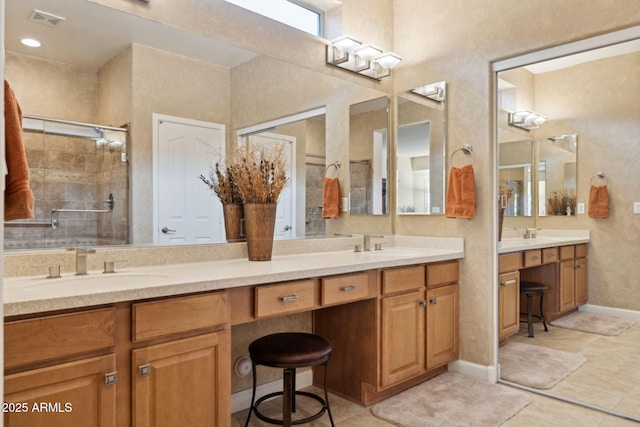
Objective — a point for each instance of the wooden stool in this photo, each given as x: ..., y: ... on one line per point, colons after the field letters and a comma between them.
x: 290, y: 350
x: 530, y: 289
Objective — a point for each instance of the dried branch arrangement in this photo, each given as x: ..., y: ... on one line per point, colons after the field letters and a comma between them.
x: 221, y: 182
x: 260, y: 174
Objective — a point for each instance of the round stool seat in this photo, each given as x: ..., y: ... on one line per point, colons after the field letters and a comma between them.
x: 290, y: 350
x: 532, y: 287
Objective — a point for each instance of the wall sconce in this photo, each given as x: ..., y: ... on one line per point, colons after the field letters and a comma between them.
x: 526, y: 119
x: 349, y: 53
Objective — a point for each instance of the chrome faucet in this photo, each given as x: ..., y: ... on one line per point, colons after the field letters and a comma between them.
x: 530, y: 233
x: 81, y: 259
x: 366, y: 244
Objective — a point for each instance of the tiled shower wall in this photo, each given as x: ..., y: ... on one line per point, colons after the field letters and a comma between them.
x: 314, y: 224
x: 71, y: 173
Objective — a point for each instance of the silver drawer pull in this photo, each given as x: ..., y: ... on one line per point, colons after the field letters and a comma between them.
x: 348, y: 288
x: 508, y: 282
x: 290, y: 298
x: 535, y: 257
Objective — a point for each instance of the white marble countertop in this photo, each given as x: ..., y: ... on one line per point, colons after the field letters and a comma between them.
x: 29, y: 294
x: 544, y: 239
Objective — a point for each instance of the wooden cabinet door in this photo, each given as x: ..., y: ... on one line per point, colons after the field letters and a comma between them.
x: 183, y: 383
x: 581, y: 281
x: 403, y: 337
x: 567, y: 286
x: 442, y: 325
x: 68, y: 394
x: 508, y: 304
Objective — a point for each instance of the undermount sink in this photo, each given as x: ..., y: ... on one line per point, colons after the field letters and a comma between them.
x: 111, y: 279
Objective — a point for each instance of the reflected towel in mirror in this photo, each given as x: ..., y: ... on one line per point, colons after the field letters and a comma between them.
x: 18, y: 197
x: 461, y: 193
x: 331, y: 198
x: 598, y: 201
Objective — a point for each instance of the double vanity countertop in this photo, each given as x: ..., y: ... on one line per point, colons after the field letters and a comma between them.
x: 174, y: 270
x: 544, y: 239
x: 291, y: 261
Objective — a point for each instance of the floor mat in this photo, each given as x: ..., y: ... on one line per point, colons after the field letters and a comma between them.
x: 453, y: 400
x: 594, y: 323
x: 536, y: 366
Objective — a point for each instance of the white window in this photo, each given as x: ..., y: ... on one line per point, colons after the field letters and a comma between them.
x: 286, y: 12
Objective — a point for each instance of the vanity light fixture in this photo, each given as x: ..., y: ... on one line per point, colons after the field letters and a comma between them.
x: 526, y: 119
x: 434, y: 91
x: 349, y: 53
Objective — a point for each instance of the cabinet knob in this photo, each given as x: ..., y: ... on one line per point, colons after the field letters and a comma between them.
x: 110, y: 378
x: 433, y: 301
x: 423, y: 303
x: 144, y: 370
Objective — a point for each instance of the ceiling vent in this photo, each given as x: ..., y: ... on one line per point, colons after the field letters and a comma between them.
x: 46, y: 18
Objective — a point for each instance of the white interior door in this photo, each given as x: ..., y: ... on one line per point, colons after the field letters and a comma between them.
x: 185, y: 209
x: 285, y: 213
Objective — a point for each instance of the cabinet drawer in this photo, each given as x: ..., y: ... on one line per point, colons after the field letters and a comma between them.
x: 549, y: 255
x: 442, y: 273
x: 349, y: 287
x: 509, y: 262
x: 581, y: 250
x: 567, y: 252
x: 532, y: 258
x: 285, y: 298
x: 403, y: 279
x: 54, y: 337
x: 161, y: 318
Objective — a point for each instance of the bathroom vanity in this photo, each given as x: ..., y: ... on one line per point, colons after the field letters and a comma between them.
x: 139, y: 347
x: 558, y: 261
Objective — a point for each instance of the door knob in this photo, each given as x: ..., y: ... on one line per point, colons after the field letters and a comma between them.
x: 286, y: 228
x: 167, y: 230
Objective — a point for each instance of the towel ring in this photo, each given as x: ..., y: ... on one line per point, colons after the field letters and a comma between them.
x: 336, y: 165
x: 466, y: 149
x: 599, y: 175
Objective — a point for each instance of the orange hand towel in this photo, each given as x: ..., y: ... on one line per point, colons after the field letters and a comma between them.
x: 18, y: 197
x: 598, y: 202
x: 331, y: 198
x: 461, y: 194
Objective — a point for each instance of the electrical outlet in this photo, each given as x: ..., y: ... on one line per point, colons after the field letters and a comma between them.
x: 580, y: 208
x: 636, y: 207
x: 345, y: 204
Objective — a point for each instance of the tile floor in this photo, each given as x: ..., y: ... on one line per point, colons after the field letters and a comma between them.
x: 610, y: 378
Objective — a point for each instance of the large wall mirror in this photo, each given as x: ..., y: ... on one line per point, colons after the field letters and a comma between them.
x: 125, y: 78
x: 420, y: 150
x: 589, y: 92
x: 369, y: 157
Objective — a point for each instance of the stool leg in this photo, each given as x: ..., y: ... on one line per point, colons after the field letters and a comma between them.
x: 287, y: 397
x: 253, y: 394
x: 529, y: 317
x: 293, y: 392
x: 544, y: 323
x: 326, y: 394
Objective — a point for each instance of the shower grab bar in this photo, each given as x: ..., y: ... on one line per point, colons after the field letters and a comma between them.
x: 109, y: 202
x: 27, y: 224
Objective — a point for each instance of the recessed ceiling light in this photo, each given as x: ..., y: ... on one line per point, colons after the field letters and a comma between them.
x: 31, y: 42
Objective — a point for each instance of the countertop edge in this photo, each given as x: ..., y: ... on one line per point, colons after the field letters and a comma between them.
x: 42, y: 305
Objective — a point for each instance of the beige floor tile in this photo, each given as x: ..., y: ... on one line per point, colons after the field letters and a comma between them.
x: 364, y: 419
